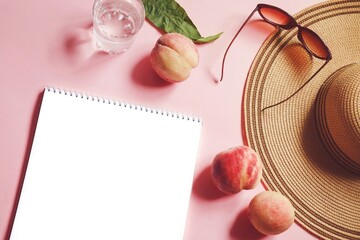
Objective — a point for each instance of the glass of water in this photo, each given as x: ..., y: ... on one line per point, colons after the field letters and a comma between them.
x: 116, y: 23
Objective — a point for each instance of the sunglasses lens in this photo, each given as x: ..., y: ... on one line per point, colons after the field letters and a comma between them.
x: 314, y: 43
x: 277, y: 17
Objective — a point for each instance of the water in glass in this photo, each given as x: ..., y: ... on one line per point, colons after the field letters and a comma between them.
x: 116, y: 22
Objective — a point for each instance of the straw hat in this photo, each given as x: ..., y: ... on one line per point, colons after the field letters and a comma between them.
x: 310, y: 144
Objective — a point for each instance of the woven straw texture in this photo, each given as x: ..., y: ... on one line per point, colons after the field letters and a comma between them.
x: 325, y: 194
x: 338, y: 116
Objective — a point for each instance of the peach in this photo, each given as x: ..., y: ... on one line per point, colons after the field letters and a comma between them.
x: 173, y: 57
x: 271, y: 212
x: 235, y: 169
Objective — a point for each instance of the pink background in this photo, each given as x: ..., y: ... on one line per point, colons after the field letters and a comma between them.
x: 48, y: 43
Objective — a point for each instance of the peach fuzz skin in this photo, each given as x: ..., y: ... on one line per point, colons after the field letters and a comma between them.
x: 236, y: 169
x: 271, y: 213
x: 173, y: 57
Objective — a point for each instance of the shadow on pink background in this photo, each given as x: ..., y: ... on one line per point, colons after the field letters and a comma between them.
x: 30, y: 138
x: 243, y: 229
x: 204, y: 188
x: 144, y: 75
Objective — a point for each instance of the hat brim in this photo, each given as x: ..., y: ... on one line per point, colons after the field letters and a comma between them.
x: 325, y: 195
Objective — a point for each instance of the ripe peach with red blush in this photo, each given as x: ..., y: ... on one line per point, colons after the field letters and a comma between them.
x: 271, y: 212
x: 173, y: 57
x: 236, y: 169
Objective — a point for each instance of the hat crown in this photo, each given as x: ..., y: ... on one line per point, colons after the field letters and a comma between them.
x: 340, y: 113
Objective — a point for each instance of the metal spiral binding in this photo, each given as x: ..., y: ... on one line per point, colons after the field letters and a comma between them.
x: 123, y: 104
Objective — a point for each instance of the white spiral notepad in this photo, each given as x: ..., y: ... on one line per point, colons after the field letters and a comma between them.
x: 101, y: 169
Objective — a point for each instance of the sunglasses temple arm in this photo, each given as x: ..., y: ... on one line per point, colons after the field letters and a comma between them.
x: 227, y: 49
x: 298, y: 90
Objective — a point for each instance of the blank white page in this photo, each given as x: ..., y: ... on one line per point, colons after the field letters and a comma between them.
x: 100, y: 169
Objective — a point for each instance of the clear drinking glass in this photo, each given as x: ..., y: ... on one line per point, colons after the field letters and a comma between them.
x: 116, y: 23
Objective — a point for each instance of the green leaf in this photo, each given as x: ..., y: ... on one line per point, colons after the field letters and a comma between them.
x: 169, y: 16
x: 209, y: 38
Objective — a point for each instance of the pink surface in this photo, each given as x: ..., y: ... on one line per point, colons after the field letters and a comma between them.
x: 48, y: 43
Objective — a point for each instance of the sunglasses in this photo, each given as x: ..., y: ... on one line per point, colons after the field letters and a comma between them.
x: 308, y: 38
